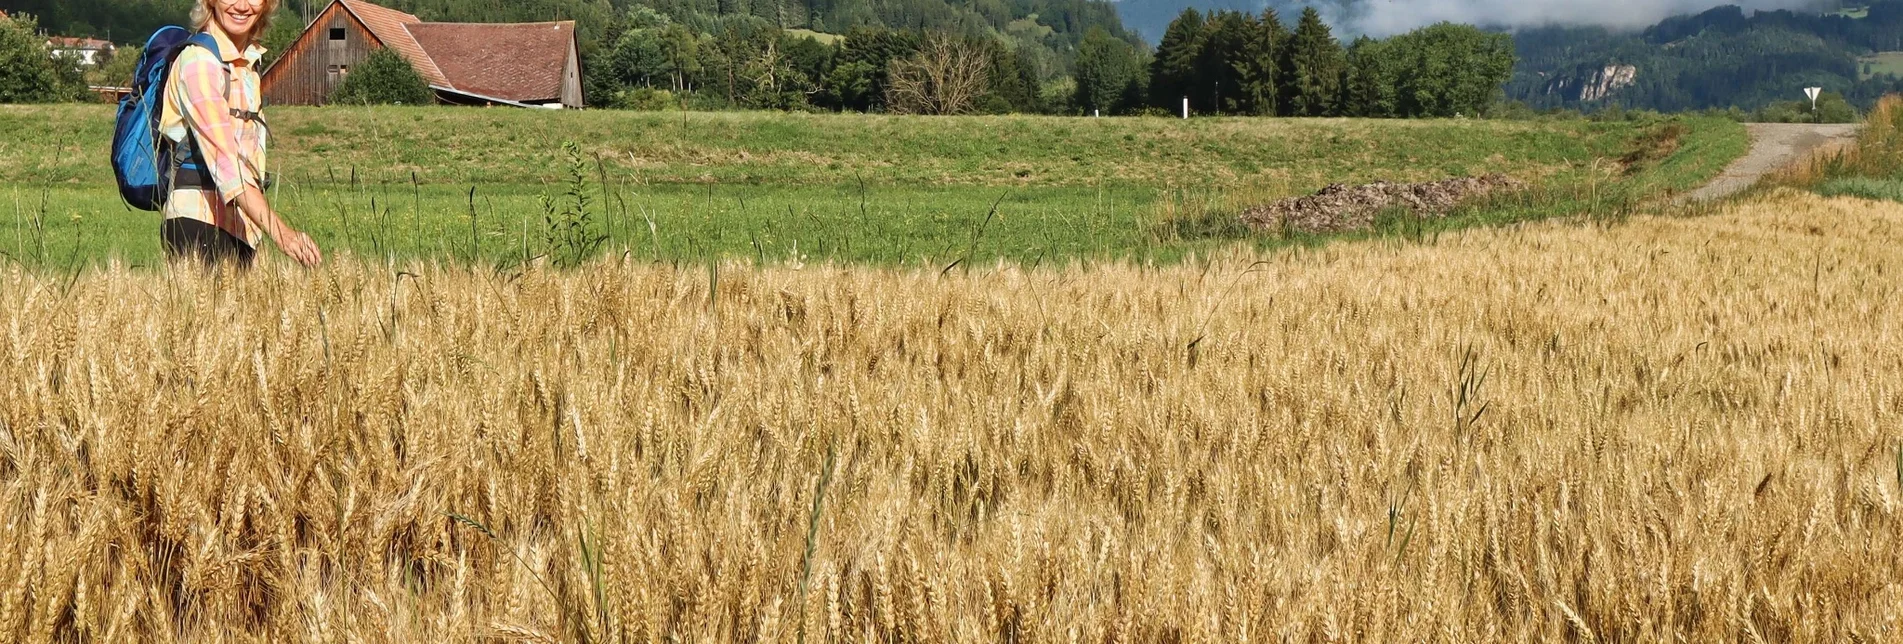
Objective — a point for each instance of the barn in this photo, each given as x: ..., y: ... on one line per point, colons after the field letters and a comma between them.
x: 521, y: 64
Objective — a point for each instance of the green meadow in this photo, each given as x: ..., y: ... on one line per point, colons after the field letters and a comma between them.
x: 467, y: 184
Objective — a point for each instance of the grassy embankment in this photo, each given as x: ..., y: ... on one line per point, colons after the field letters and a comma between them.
x: 889, y: 190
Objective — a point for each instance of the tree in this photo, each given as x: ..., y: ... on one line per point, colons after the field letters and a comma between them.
x: 1173, y: 68
x: 640, y: 58
x: 1014, y: 81
x: 946, y: 76
x: 1448, y: 69
x: 1259, y: 70
x: 117, y: 68
x: 683, y: 51
x: 28, y: 73
x: 773, y: 82
x: 279, y: 37
x: 383, y: 78
x: 1370, y: 83
x: 1311, y: 68
x: 853, y: 85
x: 810, y: 57
x: 1227, y: 40
x: 1109, y: 74
x: 858, y: 81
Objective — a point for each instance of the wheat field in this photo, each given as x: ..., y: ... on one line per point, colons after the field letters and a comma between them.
x: 1663, y: 429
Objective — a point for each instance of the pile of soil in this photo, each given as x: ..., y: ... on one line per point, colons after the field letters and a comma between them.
x: 1340, y: 208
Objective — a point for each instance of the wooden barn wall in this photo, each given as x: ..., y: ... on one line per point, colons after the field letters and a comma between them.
x: 302, y: 76
x: 571, y: 78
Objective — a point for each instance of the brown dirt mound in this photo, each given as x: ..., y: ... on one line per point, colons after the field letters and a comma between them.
x: 1340, y: 208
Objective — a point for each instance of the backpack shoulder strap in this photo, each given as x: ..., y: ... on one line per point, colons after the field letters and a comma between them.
x: 210, y: 44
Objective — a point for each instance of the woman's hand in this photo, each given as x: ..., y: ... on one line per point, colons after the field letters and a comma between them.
x: 295, y: 244
x: 299, y: 246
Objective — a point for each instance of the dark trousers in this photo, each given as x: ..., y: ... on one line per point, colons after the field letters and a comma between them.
x: 193, y: 239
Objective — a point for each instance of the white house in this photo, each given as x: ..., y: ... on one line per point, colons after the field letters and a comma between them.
x: 87, y: 50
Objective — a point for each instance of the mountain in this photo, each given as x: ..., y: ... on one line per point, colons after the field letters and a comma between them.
x: 1719, y: 58
x: 1382, y: 18
x: 1585, y: 54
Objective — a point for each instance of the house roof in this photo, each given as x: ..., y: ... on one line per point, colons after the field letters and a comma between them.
x: 62, y: 42
x: 518, y: 62
x: 388, y: 26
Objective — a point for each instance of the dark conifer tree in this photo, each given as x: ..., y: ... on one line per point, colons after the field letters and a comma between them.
x: 1311, y: 69
x: 1259, y: 68
x: 1218, y: 83
x: 1173, y: 69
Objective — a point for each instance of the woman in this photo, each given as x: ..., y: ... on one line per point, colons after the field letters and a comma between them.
x: 216, y: 211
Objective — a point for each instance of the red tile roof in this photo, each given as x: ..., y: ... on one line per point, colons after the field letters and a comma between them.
x: 517, y: 62
x: 62, y: 42
x: 388, y: 27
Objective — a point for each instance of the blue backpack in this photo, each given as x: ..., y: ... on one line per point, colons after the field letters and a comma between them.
x: 145, y: 162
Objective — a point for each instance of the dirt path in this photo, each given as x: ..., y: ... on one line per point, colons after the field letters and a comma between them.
x: 1773, y: 145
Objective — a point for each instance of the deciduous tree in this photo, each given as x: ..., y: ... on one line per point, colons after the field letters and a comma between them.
x: 383, y: 78
x: 1109, y: 74
x: 946, y: 76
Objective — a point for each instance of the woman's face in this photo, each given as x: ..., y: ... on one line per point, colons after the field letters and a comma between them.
x: 237, y: 17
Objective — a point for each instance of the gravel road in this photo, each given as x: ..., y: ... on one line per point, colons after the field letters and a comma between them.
x: 1773, y: 145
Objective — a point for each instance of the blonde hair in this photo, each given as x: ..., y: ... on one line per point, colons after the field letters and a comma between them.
x: 203, y: 10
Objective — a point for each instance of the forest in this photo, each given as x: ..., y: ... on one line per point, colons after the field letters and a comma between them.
x: 1236, y: 63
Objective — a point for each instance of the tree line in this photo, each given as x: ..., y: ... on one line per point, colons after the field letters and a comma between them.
x: 710, y: 54
x: 747, y: 63
x: 1230, y: 62
x: 1226, y: 63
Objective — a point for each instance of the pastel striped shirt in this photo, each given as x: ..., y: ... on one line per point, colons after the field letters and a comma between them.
x: 234, y: 149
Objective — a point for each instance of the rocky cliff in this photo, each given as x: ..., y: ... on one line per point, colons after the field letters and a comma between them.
x: 1592, y: 84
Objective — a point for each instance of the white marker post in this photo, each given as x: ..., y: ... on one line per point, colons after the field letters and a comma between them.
x: 1186, y: 108
x: 1813, y: 93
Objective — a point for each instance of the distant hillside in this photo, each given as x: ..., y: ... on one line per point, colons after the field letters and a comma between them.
x: 120, y: 20
x: 1717, y: 59
x: 1056, y: 24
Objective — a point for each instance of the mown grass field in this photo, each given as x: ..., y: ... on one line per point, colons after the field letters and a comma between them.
x: 1662, y: 429
x: 397, y: 182
x: 1889, y: 62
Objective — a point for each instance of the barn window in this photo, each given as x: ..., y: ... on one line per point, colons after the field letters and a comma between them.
x: 337, y: 34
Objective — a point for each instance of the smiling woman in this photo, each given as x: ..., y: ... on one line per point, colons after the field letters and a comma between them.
x: 217, y: 210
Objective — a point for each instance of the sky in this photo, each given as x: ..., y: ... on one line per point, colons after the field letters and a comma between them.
x: 1388, y: 17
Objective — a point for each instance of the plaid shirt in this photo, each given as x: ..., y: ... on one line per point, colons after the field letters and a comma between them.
x: 196, y: 97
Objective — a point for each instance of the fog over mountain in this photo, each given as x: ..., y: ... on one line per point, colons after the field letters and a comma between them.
x: 1385, y: 17
x: 1389, y: 17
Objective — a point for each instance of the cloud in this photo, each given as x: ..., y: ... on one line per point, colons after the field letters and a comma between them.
x: 1388, y: 17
